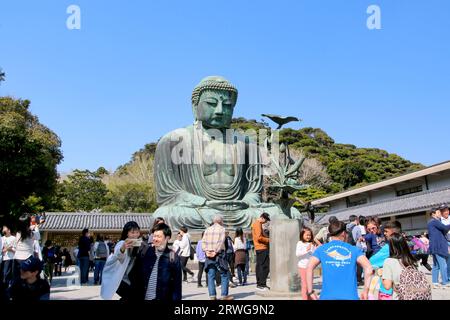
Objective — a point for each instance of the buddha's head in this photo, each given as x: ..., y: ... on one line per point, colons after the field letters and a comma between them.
x: 213, y: 101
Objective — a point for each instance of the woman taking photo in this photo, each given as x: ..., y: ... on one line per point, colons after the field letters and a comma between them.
x: 120, y: 263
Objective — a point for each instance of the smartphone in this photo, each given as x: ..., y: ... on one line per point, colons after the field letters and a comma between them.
x: 136, y: 242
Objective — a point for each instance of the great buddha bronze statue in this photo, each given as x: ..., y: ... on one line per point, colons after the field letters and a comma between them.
x: 209, y: 168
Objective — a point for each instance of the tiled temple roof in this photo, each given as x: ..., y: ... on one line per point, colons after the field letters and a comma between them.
x: 402, y: 205
x: 77, y: 221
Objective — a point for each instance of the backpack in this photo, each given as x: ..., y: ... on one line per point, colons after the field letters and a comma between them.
x: 350, y: 239
x: 101, y: 251
x: 265, y: 227
x: 413, y: 285
x: 228, y: 245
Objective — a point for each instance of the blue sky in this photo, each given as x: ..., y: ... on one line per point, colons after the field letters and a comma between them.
x: 126, y: 77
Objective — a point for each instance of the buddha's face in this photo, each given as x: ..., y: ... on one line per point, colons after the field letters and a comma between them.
x: 215, y: 109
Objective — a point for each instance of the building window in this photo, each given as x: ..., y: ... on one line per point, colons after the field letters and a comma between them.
x: 356, y: 203
x: 404, y: 192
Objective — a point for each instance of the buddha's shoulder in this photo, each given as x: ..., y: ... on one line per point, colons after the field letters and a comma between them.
x: 176, y: 135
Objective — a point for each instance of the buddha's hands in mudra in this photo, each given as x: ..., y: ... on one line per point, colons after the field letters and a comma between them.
x: 227, y: 205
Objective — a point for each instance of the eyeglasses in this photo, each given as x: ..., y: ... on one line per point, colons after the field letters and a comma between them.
x: 372, y: 229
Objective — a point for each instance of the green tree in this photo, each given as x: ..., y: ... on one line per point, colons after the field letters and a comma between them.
x: 83, y: 190
x: 29, y: 154
x: 130, y: 197
x: 347, y: 172
x: 131, y: 187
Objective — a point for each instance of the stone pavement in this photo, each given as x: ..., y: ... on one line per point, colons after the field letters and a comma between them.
x: 65, y: 288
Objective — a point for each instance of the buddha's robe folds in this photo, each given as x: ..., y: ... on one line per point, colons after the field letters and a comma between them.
x: 186, y: 193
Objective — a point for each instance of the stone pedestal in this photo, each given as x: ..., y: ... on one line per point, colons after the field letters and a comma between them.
x: 284, y: 278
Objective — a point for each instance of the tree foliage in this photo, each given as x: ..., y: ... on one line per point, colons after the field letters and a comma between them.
x: 29, y: 154
x: 345, y: 165
x: 131, y: 188
x: 83, y: 190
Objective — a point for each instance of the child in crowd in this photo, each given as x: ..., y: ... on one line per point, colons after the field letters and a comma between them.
x: 29, y: 286
x: 305, y: 249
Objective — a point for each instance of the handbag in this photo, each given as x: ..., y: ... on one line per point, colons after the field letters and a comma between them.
x: 191, y: 251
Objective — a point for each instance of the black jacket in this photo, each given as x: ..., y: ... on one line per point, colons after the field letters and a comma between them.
x: 84, y: 247
x: 22, y: 291
x: 169, y: 281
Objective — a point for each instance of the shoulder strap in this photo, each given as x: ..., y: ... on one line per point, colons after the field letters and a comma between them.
x: 143, y: 248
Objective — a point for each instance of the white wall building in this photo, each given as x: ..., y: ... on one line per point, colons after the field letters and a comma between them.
x: 405, y: 198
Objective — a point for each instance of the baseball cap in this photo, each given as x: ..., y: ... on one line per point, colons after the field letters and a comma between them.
x: 442, y: 206
x: 265, y: 216
x: 31, y: 264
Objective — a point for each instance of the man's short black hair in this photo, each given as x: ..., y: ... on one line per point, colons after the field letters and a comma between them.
x: 331, y: 219
x: 353, y: 218
x: 85, y: 231
x: 184, y: 229
x: 164, y: 228
x: 336, y: 228
x: 394, y: 225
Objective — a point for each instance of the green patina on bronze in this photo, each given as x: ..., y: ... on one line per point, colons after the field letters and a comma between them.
x: 226, y: 181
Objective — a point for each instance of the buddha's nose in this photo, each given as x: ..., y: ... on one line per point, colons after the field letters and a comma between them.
x: 219, y: 108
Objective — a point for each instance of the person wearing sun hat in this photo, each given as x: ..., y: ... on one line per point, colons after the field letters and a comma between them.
x: 29, y: 286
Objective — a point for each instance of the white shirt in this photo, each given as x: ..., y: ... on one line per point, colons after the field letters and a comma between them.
x: 176, y: 245
x: 9, y: 242
x: 184, y: 245
x: 24, y: 248
x: 38, y: 249
x: 363, y: 230
x: 304, y: 254
x: 239, y: 245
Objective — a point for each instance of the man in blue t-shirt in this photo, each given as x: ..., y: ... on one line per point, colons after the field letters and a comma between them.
x: 339, y: 260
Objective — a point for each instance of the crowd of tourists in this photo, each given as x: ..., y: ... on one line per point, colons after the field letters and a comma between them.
x: 91, y: 255
x: 23, y: 261
x: 379, y: 257
x: 362, y: 252
x: 149, y: 268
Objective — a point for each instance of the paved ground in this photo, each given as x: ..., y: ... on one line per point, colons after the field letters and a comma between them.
x: 65, y: 288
